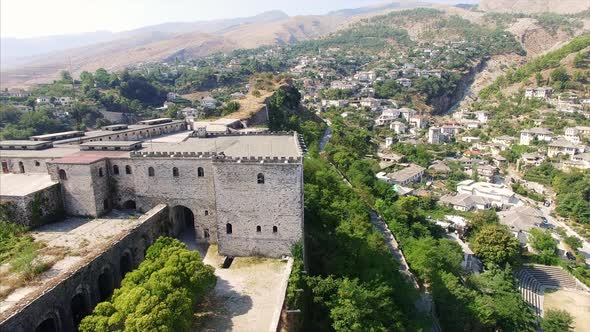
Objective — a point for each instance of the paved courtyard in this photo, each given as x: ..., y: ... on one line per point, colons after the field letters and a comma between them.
x: 577, y: 303
x: 248, y: 295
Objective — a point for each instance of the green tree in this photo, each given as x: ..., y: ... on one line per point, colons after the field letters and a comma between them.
x: 559, y: 74
x: 557, y: 321
x: 65, y: 76
x: 160, y: 295
x: 574, y: 242
x: 495, y: 244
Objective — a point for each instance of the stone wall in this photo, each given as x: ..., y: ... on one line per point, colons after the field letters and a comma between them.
x: 31, y: 165
x: 266, y: 218
x: 84, y: 191
x: 188, y: 189
x: 82, y: 283
x: 35, y: 209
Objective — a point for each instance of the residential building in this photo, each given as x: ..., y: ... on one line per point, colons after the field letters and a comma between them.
x: 398, y: 127
x: 541, y: 92
x: 562, y: 146
x: 498, y: 194
x: 434, y: 135
x: 466, y: 202
x: 532, y: 159
x: 527, y: 136
x: 411, y: 174
x: 405, y: 82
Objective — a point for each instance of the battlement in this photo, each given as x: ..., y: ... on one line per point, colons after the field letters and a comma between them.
x: 252, y: 133
x: 218, y: 157
x: 171, y: 154
x: 259, y: 160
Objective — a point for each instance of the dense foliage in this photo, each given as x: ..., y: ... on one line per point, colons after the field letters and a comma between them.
x: 160, y: 295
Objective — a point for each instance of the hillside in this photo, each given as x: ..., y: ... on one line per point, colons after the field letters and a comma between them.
x: 184, y: 41
x: 534, y: 6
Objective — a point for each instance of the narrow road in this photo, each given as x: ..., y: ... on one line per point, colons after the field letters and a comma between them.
x: 425, y: 303
x: 548, y: 211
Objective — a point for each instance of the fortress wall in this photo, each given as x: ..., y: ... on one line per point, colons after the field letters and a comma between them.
x: 35, y: 209
x: 246, y: 204
x: 188, y: 189
x: 56, y: 302
x: 78, y: 190
x: 30, y: 165
x: 123, y: 184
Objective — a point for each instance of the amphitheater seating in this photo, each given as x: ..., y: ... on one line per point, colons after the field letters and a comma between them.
x: 533, y: 279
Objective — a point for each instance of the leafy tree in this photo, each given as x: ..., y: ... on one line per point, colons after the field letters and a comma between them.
x: 557, y: 321
x: 428, y: 256
x: 65, y: 76
x: 559, y: 74
x: 495, y: 244
x: 159, y: 295
x: 574, y: 242
x: 483, y: 218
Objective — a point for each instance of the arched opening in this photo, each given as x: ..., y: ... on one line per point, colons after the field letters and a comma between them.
x: 183, y: 221
x: 125, y: 264
x: 106, y: 285
x: 62, y: 175
x: 275, y: 229
x: 127, y: 169
x: 129, y: 205
x: 228, y: 228
x: 200, y: 172
x: 116, y: 170
x: 100, y: 172
x: 151, y: 171
x: 21, y: 166
x: 258, y: 229
x: 79, y: 308
x: 48, y: 325
x: 260, y: 178
x: 175, y: 172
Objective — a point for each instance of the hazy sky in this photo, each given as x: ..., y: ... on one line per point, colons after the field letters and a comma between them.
x: 33, y: 18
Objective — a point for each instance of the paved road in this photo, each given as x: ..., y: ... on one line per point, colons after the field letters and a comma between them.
x: 548, y: 211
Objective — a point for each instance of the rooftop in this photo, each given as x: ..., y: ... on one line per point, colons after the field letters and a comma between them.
x: 55, y: 152
x: 233, y: 145
x: 406, y: 173
x: 23, y: 184
x: 81, y: 239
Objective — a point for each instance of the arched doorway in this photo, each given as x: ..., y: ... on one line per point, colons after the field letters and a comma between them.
x: 130, y: 205
x: 183, y: 224
x: 48, y: 325
x: 79, y: 307
x: 106, y: 284
x: 125, y: 264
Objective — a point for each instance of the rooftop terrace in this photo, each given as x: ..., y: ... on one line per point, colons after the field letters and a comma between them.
x: 23, y: 184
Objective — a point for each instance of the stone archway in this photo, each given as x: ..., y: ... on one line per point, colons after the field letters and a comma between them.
x: 130, y: 205
x: 106, y: 284
x: 125, y: 264
x: 48, y: 325
x: 183, y: 220
x: 80, y: 307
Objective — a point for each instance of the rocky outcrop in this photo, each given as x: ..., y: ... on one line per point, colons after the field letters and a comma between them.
x: 448, y: 101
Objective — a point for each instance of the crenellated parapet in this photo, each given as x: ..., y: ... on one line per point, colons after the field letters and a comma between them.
x: 175, y: 154
x: 258, y: 160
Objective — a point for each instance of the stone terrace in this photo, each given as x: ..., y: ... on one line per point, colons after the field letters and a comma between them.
x: 68, y: 244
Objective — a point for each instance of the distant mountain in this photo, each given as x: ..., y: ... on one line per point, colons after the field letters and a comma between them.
x: 535, y: 6
x: 183, y: 40
x: 18, y: 51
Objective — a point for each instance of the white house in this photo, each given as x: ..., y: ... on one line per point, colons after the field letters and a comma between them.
x: 498, y: 194
x: 539, y: 134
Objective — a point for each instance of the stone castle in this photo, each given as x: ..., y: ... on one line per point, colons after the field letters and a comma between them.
x: 243, y: 191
